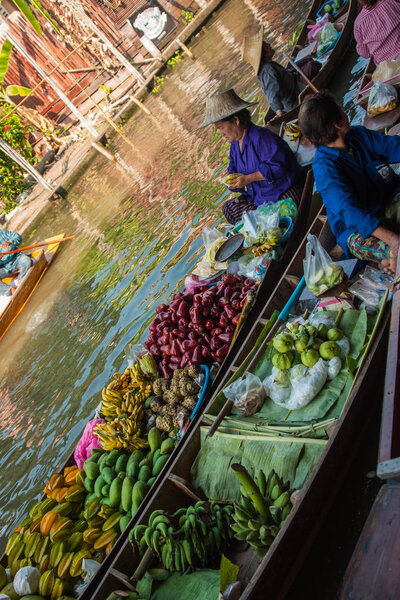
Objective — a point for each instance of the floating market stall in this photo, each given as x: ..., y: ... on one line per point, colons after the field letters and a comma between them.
x: 258, y: 489
x: 92, y: 503
x: 327, y: 46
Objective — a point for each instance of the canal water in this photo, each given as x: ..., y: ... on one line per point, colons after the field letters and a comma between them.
x: 138, y: 231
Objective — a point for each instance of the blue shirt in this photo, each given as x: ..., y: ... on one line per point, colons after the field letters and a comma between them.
x: 264, y: 151
x: 8, y: 236
x: 355, y: 186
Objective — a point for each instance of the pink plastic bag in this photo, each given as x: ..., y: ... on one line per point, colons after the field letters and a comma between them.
x: 88, y: 441
x: 313, y: 30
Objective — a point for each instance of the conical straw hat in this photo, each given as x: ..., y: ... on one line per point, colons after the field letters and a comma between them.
x: 252, y: 49
x: 222, y: 105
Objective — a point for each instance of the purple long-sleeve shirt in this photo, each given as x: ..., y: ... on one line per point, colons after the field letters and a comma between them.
x: 264, y: 151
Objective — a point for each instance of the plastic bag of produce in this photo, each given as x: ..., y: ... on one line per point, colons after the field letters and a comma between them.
x: 87, y: 443
x: 26, y: 581
x: 382, y: 98
x: 268, y: 230
x: 212, y: 239
x: 320, y: 272
x: 247, y: 394
x: 327, y: 36
x: 386, y: 70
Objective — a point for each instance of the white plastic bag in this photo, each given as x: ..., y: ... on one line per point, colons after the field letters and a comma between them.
x: 386, y: 70
x: 268, y: 227
x: 247, y: 393
x: 320, y: 272
x: 212, y: 240
x: 327, y: 35
x: 249, y: 229
x: 382, y: 98
x: 26, y: 581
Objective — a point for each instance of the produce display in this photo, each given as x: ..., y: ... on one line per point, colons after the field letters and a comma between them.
x: 198, y: 328
x: 325, y: 279
x: 59, y: 532
x: 174, y: 399
x: 307, y: 354
x: 190, y: 538
x: 293, y: 130
x: 333, y: 7
x: 263, y: 508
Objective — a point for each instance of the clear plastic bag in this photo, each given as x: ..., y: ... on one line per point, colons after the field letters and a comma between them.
x: 247, y: 394
x: 212, y: 240
x: 327, y: 35
x: 382, y: 98
x: 268, y: 223
x: 386, y: 70
x: 133, y: 352
x: 320, y: 272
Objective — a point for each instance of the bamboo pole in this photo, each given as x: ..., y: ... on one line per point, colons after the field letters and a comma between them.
x: 80, y: 13
x: 20, y: 160
x: 85, y: 123
x: 190, y: 54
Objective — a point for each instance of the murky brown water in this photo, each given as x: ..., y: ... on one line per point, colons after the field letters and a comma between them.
x: 138, y: 231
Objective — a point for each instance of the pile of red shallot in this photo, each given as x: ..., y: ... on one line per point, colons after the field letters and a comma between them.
x: 198, y: 328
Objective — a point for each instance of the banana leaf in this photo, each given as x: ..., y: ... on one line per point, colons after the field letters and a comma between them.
x: 200, y: 585
x: 42, y: 11
x: 28, y: 14
x: 292, y: 460
x: 17, y: 90
x: 5, y: 54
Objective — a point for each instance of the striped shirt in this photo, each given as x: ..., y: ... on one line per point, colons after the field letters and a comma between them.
x: 377, y: 31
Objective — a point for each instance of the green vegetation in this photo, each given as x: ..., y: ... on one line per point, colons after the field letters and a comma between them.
x: 15, y: 133
x: 175, y: 59
x: 159, y: 81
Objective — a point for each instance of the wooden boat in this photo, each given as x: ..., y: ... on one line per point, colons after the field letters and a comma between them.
x: 346, y: 16
x: 365, y: 576
x: 389, y: 446
x: 272, y: 576
x: 271, y: 277
x: 43, y: 258
x: 385, y: 120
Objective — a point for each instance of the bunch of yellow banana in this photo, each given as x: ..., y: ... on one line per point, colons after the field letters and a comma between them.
x: 262, y: 249
x: 122, y: 433
x: 293, y: 130
x: 125, y: 393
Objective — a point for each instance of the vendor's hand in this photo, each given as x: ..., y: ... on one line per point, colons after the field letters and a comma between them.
x: 389, y: 265
x: 5, y: 245
x: 279, y: 113
x: 239, y: 182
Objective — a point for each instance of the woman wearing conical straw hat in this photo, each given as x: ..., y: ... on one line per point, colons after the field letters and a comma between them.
x: 280, y: 86
x: 265, y: 168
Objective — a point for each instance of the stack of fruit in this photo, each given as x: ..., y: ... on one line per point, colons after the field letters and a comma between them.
x: 174, y: 398
x: 126, y: 394
x: 332, y: 7
x: 119, y: 480
x: 192, y: 537
x: 60, y: 532
x: 311, y: 343
x: 263, y: 508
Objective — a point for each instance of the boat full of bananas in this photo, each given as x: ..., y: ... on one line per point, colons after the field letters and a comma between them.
x: 192, y: 537
x: 292, y: 130
x: 58, y: 534
x: 264, y: 506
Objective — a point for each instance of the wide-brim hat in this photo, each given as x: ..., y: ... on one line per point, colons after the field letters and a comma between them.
x: 252, y: 49
x: 222, y: 105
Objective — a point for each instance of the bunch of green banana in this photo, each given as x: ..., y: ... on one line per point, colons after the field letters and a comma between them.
x: 195, y: 535
x: 264, y: 506
x: 293, y: 130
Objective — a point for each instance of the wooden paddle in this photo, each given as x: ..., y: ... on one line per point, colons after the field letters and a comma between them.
x: 283, y: 315
x: 300, y: 72
x: 71, y: 237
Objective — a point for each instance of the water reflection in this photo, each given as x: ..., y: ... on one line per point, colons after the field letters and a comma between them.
x: 138, y: 228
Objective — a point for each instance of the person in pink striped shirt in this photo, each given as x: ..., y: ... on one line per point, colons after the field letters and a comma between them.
x: 377, y: 30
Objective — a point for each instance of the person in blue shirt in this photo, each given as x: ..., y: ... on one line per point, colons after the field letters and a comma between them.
x: 11, y: 263
x: 265, y: 167
x: 355, y: 172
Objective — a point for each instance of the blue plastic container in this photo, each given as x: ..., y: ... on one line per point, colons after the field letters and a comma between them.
x: 322, y: 12
x: 286, y: 223
x: 206, y: 383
